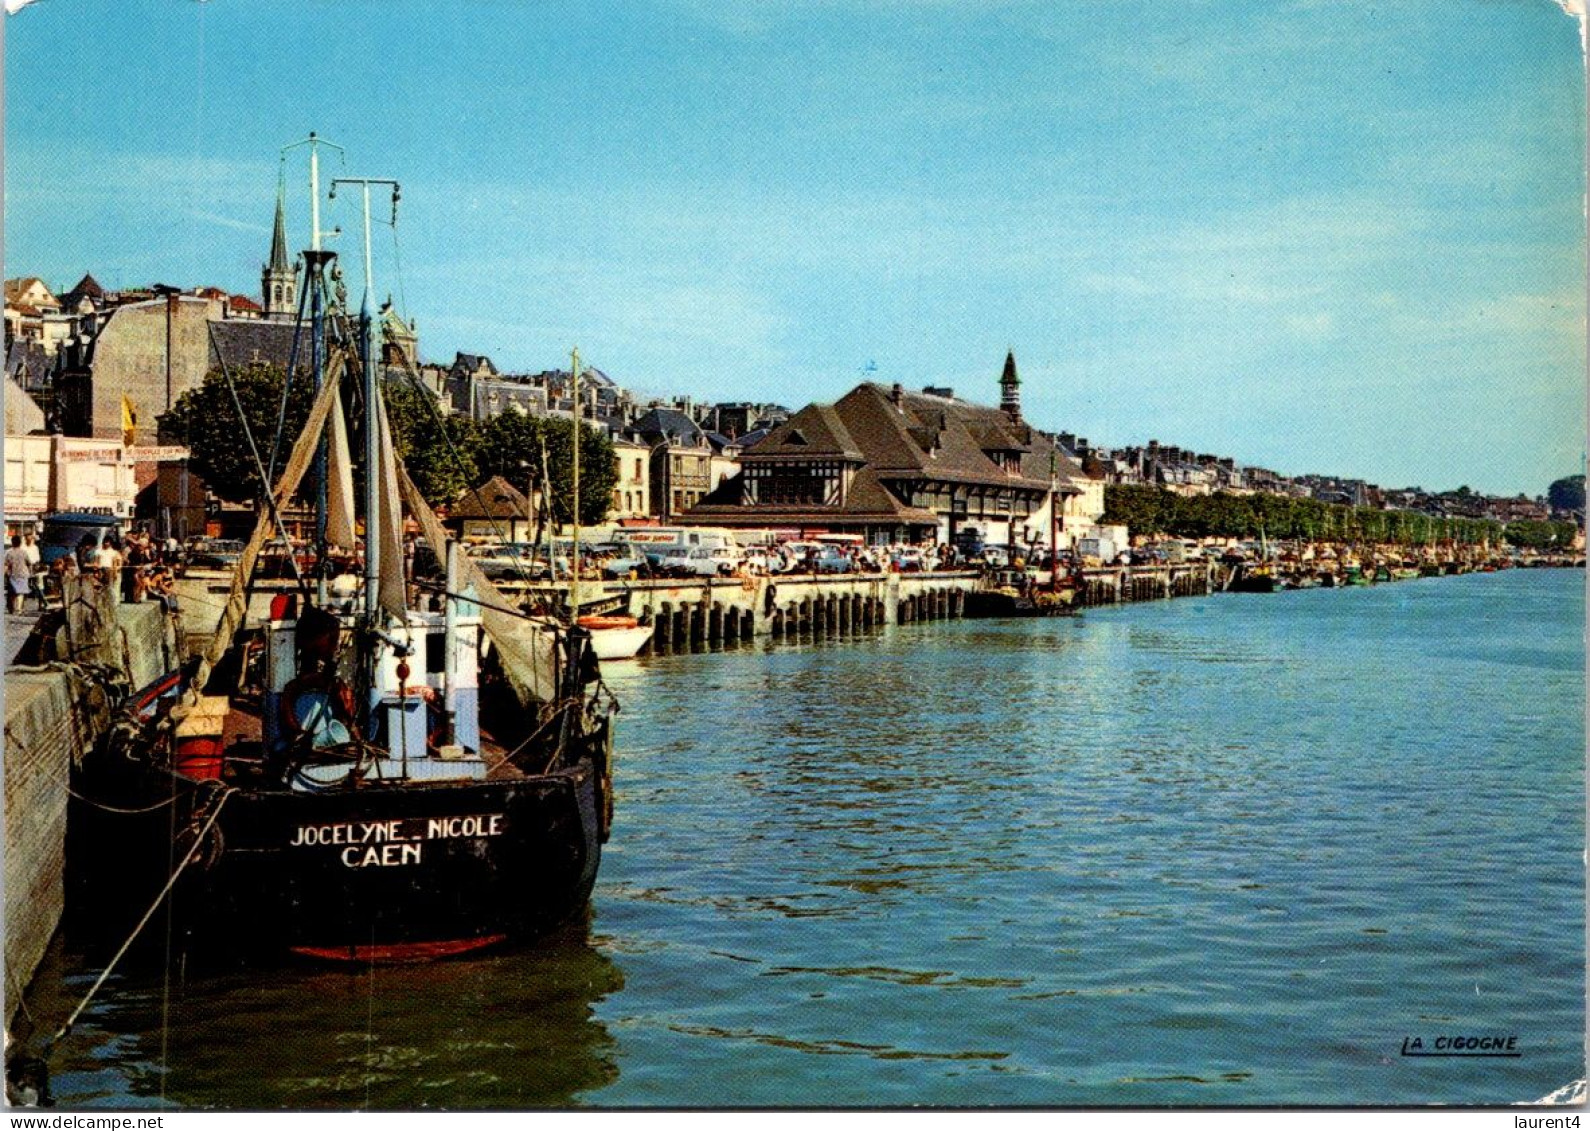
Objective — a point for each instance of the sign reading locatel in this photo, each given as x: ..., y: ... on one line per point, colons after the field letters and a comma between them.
x: 387, y: 844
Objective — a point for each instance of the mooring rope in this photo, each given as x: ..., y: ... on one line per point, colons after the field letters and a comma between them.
x: 187, y: 859
x: 114, y: 809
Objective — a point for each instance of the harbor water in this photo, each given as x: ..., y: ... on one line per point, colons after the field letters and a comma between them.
x: 1229, y: 850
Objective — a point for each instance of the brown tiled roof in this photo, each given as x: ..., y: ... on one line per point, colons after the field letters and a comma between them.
x: 938, y: 438
x: 496, y: 498
x: 88, y: 285
x: 896, y: 436
x: 15, y: 288
x: 815, y: 430
x: 868, y: 496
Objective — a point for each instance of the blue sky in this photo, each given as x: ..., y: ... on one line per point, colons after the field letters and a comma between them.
x: 1316, y: 235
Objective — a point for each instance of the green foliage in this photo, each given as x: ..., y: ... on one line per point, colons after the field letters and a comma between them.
x: 439, y: 449
x: 205, y: 421
x: 510, y: 446
x: 1567, y: 494
x: 1533, y: 535
x: 1145, y: 509
x: 444, y: 453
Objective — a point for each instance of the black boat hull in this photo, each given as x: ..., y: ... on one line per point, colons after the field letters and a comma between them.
x: 381, y: 872
x: 992, y: 605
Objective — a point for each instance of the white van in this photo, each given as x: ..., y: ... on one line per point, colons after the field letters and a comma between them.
x: 661, y: 537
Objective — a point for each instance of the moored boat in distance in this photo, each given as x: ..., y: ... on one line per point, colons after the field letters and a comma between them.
x: 616, y: 637
x: 1254, y: 579
x: 1015, y: 593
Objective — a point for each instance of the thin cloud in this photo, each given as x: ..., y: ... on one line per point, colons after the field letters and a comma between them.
x: 229, y: 222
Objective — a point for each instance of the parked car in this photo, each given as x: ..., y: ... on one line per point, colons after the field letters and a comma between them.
x: 727, y: 558
x: 968, y: 542
x: 829, y: 559
x: 279, y: 556
x: 622, y: 559
x: 685, y: 561
x: 215, y: 553
x: 511, y: 561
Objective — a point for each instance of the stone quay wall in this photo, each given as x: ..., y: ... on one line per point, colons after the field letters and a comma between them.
x: 54, y: 712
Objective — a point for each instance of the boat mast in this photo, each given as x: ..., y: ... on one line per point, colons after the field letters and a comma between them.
x: 574, y: 552
x: 315, y: 260
x: 372, y: 446
x: 1054, y: 522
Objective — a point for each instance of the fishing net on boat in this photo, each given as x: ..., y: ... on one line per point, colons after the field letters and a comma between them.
x: 528, y: 650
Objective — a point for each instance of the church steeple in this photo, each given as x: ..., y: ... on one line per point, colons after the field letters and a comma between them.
x: 1010, y: 388
x: 279, y: 237
x: 279, y: 279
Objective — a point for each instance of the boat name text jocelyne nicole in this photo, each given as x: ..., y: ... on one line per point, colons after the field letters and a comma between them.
x: 386, y: 844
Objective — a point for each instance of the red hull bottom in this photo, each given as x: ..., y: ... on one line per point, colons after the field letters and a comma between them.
x: 399, y: 952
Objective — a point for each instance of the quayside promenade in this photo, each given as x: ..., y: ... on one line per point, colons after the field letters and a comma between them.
x: 724, y: 612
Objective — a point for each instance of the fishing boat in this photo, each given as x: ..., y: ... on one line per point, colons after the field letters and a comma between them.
x: 1254, y: 579
x: 1013, y: 593
x: 365, y: 773
x: 1017, y: 593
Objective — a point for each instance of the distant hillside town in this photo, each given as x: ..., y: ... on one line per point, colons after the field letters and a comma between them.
x: 90, y: 370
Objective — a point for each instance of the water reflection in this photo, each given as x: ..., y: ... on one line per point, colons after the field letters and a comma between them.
x: 514, y: 1029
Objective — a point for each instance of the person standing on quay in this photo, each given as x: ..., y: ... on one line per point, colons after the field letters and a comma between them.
x: 19, y: 575
x: 30, y: 546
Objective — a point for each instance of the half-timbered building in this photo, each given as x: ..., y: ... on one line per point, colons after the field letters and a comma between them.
x: 895, y: 466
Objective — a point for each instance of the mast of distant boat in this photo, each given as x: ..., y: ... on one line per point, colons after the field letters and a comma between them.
x: 574, y: 551
x: 1054, y: 522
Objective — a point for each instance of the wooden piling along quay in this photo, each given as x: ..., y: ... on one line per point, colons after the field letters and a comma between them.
x: 711, y: 614
x: 1116, y: 585
x: 719, y: 613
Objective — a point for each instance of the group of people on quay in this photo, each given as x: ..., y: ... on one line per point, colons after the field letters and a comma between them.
x: 141, y: 564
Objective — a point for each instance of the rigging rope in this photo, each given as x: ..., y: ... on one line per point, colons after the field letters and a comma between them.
x: 287, y: 378
x: 429, y: 400
x: 114, y: 809
x: 259, y: 467
x: 66, y: 1027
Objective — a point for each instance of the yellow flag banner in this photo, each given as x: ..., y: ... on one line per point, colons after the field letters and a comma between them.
x: 129, y: 422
